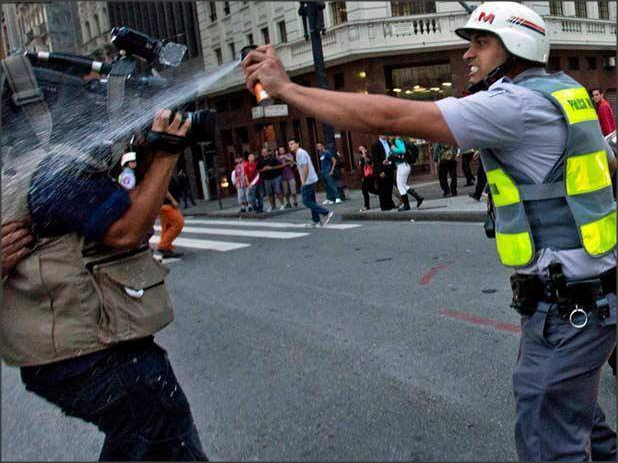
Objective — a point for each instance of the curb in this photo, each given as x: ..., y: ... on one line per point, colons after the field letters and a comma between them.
x: 446, y: 216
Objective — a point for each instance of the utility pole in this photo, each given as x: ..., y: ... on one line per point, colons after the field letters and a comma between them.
x: 313, y: 25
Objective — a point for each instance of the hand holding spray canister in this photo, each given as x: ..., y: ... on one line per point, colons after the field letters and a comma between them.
x: 262, y: 97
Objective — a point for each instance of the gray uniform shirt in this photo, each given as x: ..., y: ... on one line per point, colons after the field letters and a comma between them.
x: 527, y: 131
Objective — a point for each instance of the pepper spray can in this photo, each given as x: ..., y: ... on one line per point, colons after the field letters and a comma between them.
x: 262, y: 97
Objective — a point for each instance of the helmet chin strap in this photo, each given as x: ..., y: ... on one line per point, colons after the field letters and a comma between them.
x: 493, y: 76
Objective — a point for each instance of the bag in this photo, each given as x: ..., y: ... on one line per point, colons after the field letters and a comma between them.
x: 368, y: 170
x: 447, y: 153
x: 411, y: 153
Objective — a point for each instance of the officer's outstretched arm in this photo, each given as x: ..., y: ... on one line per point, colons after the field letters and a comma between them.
x: 350, y: 111
x: 131, y: 228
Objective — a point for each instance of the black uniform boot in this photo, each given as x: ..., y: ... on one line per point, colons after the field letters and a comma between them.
x: 415, y: 195
x: 405, y: 203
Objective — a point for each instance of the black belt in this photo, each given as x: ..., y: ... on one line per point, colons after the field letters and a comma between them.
x: 581, y: 295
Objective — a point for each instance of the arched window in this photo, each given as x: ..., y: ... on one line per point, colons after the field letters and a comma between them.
x: 97, y: 26
x: 87, y: 31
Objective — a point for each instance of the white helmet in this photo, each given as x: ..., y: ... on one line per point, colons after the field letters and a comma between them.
x: 521, y: 30
x: 128, y: 157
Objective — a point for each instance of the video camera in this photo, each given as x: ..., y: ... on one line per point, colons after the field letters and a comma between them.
x: 124, y: 93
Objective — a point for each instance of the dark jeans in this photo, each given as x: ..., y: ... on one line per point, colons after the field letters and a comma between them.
x: 481, y: 181
x: 256, y: 196
x: 133, y: 397
x: 448, y: 168
x: 330, y: 186
x: 465, y: 166
x: 385, y: 189
x: 307, y: 194
x: 368, y: 185
x: 185, y: 194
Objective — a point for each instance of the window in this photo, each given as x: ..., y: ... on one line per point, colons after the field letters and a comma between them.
x: 580, y: 10
x: 573, y: 63
x: 555, y: 9
x: 250, y: 39
x: 219, y: 56
x: 419, y: 82
x: 265, y: 35
x: 338, y: 13
x: 213, y: 11
x: 339, y: 83
x: 226, y: 8
x: 232, y: 50
x: 97, y: 26
x: 591, y: 62
x: 88, y: 31
x: 553, y: 64
x: 603, y: 10
x: 283, y: 34
x: 410, y: 8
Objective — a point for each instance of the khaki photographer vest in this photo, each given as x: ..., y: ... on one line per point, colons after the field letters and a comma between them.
x: 69, y: 298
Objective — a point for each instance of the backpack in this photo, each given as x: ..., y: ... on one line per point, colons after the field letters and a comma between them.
x: 411, y: 153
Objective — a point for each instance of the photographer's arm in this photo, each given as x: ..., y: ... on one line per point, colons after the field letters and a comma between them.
x: 146, y: 199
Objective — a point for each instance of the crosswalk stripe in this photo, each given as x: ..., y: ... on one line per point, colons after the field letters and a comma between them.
x: 269, y: 224
x: 250, y: 233
x: 203, y: 244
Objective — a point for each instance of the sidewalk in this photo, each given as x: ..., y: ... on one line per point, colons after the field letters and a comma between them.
x: 461, y: 208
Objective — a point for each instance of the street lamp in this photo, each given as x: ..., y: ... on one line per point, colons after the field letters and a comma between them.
x: 313, y: 25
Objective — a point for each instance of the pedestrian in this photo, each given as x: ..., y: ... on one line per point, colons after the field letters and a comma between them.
x: 383, y: 172
x: 403, y: 158
x: 288, y: 180
x: 239, y: 179
x: 93, y: 353
x: 308, y: 179
x: 128, y: 162
x: 270, y: 168
x: 255, y: 189
x: 446, y: 163
x: 466, y: 159
x: 338, y: 176
x: 368, y: 184
x: 172, y: 221
x: 185, y: 188
x: 327, y: 168
x: 481, y: 179
x: 541, y: 143
x: 604, y: 111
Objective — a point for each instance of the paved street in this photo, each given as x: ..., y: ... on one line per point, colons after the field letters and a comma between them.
x: 364, y: 340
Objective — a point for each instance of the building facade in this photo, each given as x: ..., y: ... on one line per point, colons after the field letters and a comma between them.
x: 95, y: 28
x: 50, y: 26
x: 403, y: 49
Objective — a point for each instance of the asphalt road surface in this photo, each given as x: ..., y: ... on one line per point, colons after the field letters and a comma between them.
x: 384, y: 341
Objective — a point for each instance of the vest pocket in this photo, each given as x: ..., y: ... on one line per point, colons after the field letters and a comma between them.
x: 134, y: 299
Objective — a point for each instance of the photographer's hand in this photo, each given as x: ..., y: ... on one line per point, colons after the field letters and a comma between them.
x: 15, y: 238
x: 165, y: 138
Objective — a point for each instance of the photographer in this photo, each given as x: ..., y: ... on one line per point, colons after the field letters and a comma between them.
x: 81, y: 307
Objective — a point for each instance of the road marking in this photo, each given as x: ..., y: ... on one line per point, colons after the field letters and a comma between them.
x: 203, y: 244
x: 269, y: 224
x: 250, y: 233
x: 480, y: 321
x: 426, y: 279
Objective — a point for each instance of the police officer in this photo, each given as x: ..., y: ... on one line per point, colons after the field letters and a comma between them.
x: 81, y: 306
x: 555, y: 214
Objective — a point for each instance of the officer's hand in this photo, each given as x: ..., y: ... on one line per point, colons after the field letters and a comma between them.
x: 264, y: 66
x: 15, y: 238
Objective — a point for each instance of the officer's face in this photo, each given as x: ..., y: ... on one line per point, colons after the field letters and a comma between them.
x: 484, y: 55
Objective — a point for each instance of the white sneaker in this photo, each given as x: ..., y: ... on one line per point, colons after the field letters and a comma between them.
x: 268, y: 209
x: 312, y: 225
x: 337, y: 201
x: 327, y: 218
x: 328, y: 201
x: 282, y: 208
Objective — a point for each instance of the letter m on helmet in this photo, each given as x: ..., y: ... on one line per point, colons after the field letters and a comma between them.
x: 486, y: 18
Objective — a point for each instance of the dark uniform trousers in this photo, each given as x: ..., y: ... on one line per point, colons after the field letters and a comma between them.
x: 556, y: 381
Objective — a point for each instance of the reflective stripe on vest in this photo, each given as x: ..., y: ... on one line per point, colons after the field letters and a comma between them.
x: 586, y: 176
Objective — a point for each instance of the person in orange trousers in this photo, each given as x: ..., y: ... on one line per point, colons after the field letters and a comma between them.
x: 172, y: 223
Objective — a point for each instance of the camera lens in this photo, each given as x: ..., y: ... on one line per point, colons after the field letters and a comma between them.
x: 203, y: 125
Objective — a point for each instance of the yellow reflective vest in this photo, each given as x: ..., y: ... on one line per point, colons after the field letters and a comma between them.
x: 581, y: 195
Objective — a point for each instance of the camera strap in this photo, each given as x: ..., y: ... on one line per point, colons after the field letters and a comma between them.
x: 28, y: 96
